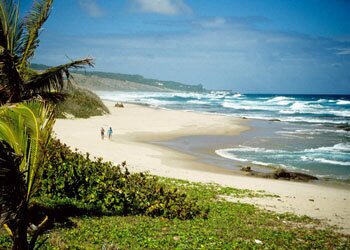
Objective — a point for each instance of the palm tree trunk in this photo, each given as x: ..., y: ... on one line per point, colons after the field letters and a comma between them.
x: 20, y: 229
x: 10, y: 79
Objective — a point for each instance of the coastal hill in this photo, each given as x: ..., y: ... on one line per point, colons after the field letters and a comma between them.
x: 81, y: 102
x: 107, y: 81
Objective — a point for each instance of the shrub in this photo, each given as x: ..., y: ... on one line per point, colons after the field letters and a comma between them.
x: 80, y: 103
x: 110, y: 188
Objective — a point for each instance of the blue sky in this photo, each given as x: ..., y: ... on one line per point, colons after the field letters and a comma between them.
x: 262, y: 46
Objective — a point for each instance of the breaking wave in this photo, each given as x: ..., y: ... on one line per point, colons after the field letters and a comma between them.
x: 338, y: 154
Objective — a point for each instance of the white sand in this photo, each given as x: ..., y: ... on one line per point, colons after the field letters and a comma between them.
x: 134, y: 126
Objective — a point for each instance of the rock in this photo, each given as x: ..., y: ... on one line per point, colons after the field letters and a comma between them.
x: 284, y: 174
x: 119, y: 105
x: 345, y: 127
x: 246, y: 169
x: 274, y: 120
x: 280, y: 174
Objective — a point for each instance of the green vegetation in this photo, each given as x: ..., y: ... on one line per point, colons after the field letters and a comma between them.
x: 25, y: 125
x: 227, y: 226
x: 37, y: 66
x: 25, y: 131
x: 80, y: 103
x: 111, y: 189
x: 140, y: 79
x: 18, y: 40
x: 76, y: 101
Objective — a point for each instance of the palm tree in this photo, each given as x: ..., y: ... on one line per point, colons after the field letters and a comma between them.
x: 18, y: 40
x: 25, y: 131
x: 25, y: 128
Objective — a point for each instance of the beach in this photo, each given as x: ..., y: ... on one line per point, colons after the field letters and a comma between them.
x: 137, y: 127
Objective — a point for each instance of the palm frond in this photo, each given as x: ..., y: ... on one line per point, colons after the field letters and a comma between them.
x: 33, y: 23
x: 11, y: 27
x: 18, y: 41
x: 13, y: 130
x: 27, y: 128
x: 52, y: 97
x: 53, y: 79
x: 39, y: 121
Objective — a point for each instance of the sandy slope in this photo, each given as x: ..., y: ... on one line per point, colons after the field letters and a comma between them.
x: 135, y: 125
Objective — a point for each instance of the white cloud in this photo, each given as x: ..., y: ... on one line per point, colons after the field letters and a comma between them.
x: 91, y: 8
x: 343, y: 51
x: 244, y: 58
x: 213, y: 23
x: 163, y: 7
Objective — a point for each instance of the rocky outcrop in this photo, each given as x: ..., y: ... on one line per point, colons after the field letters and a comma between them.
x: 279, y: 174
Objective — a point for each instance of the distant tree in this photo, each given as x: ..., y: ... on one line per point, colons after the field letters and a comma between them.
x: 18, y: 40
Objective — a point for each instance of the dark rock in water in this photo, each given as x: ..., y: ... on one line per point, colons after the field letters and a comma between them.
x: 284, y: 174
x: 246, y: 169
x: 274, y: 120
x: 345, y: 127
x: 280, y: 174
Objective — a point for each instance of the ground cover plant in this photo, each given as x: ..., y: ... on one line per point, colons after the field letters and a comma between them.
x: 111, y: 189
x: 227, y: 226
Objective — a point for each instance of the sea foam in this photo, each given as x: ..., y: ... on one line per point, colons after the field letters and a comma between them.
x: 343, y: 102
x: 322, y: 160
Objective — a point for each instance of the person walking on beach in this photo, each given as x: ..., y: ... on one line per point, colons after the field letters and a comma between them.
x: 109, y: 133
x: 102, y: 133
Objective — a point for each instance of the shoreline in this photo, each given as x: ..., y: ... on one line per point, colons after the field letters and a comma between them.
x: 135, y: 127
x: 204, y: 147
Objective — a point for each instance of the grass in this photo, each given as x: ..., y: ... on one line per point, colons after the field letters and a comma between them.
x: 228, y: 226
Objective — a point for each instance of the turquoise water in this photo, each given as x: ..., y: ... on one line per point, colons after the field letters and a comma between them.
x: 313, y: 132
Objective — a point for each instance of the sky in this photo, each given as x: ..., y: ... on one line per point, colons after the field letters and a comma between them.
x: 250, y: 46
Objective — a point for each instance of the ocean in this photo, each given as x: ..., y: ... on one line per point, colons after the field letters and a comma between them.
x: 306, y: 133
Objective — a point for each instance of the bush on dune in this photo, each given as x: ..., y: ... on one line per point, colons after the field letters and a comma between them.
x: 80, y: 103
x: 111, y: 189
